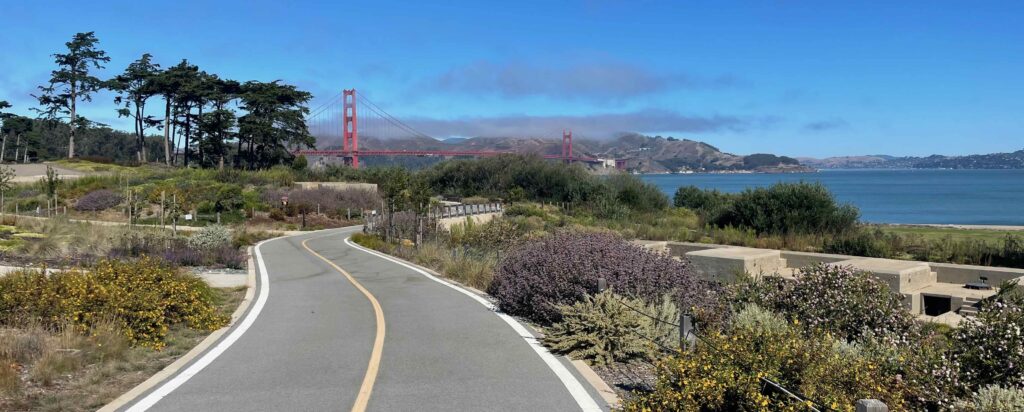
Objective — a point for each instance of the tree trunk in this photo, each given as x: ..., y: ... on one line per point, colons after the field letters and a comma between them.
x: 138, y: 136
x: 188, y: 132
x: 174, y: 147
x: 17, y: 146
x: 199, y: 138
x: 74, y: 121
x: 3, y: 149
x: 167, y: 131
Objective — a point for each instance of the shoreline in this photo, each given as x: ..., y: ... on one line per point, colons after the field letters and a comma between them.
x: 954, y: 226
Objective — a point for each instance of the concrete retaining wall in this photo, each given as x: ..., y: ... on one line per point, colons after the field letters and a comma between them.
x: 802, y: 259
x: 945, y: 272
x: 951, y: 273
x: 336, y: 185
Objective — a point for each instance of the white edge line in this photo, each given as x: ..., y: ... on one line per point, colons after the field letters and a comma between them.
x: 155, y: 396
x: 576, y: 389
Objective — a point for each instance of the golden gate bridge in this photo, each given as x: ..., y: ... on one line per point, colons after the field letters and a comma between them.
x: 350, y: 114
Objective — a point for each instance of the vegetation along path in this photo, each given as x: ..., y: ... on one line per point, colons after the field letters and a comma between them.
x: 338, y: 327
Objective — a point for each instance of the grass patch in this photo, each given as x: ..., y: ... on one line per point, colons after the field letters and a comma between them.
x: 956, y: 234
x: 87, y: 166
x: 66, y: 370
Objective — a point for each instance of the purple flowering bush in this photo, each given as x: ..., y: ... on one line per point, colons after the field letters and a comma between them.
x: 837, y: 300
x: 98, y: 200
x: 563, y: 268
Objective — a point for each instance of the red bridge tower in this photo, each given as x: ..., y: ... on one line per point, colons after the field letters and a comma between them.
x: 350, y: 132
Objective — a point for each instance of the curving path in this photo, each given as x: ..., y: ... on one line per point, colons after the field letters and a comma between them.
x: 314, y: 339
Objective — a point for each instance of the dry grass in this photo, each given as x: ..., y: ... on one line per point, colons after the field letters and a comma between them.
x: 68, y: 370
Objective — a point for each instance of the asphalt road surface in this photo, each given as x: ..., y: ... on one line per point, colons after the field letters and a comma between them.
x: 308, y: 344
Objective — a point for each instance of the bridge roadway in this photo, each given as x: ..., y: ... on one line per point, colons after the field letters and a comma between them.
x: 390, y: 338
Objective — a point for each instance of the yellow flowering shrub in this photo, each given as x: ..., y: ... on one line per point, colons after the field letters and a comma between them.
x: 144, y: 297
x: 724, y: 371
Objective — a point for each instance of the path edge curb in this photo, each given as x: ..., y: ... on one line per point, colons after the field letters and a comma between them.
x: 169, y: 370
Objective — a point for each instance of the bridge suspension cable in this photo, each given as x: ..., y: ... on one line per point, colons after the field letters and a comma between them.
x: 337, y: 125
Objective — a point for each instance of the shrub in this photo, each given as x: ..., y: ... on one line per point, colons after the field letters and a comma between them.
x: 990, y: 351
x: 601, y: 330
x: 636, y: 194
x: 210, y: 237
x: 98, y: 200
x: 994, y: 399
x: 709, y: 204
x: 834, y: 299
x: 791, y: 208
x: 562, y: 269
x: 145, y: 297
x: 724, y: 371
x: 299, y: 163
x: 331, y: 202
x: 781, y: 209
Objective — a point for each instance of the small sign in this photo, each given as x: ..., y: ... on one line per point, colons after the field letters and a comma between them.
x: 188, y: 216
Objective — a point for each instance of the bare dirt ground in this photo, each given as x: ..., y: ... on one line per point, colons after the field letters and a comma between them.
x: 31, y: 172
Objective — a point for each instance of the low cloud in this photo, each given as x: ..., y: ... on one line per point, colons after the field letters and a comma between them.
x: 823, y: 125
x: 606, y: 80
x: 592, y: 126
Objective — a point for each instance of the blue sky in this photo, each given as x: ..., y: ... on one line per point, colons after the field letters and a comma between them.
x: 785, y: 77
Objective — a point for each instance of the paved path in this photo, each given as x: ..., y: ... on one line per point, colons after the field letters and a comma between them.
x: 311, y: 344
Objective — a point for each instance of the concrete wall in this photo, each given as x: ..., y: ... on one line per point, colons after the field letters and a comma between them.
x: 802, y: 259
x: 680, y: 249
x: 447, y: 223
x: 951, y: 273
x: 336, y: 185
x: 945, y: 272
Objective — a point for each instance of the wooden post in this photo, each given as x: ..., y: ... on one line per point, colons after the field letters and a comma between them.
x: 686, y: 331
x: 174, y: 219
x: 163, y: 200
x: 348, y: 213
x: 871, y: 405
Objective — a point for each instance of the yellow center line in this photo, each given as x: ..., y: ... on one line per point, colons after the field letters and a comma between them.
x: 378, y: 343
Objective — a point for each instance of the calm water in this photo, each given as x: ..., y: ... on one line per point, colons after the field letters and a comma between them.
x: 982, y: 197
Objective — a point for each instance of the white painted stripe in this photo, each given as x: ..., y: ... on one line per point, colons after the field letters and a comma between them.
x: 209, y: 357
x: 576, y: 389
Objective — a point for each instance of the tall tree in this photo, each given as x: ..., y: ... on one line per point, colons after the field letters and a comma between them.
x: 135, y: 86
x: 72, y: 82
x: 190, y: 92
x: 216, y: 126
x: 168, y: 84
x: 274, y: 122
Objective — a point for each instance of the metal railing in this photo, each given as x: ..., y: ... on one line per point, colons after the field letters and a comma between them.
x: 445, y: 212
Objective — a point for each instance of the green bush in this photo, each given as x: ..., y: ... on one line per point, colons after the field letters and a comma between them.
x: 781, y: 209
x: 300, y: 163
x: 724, y: 371
x: 994, y: 399
x: 791, y: 208
x: 601, y: 330
x: 709, y: 204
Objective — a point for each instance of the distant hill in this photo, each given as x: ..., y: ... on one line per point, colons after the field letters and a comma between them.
x: 659, y: 154
x: 645, y: 154
x: 1012, y: 160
